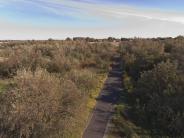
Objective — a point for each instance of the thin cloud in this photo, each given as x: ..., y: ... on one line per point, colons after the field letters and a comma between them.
x: 90, y: 18
x: 87, y: 8
x: 119, y: 12
x: 115, y: 11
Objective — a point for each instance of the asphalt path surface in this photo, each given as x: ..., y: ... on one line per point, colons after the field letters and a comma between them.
x: 104, y: 108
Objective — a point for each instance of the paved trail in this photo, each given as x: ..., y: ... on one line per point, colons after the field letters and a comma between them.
x: 104, y: 107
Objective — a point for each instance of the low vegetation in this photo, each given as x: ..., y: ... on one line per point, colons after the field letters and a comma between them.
x: 51, y: 87
x: 48, y: 88
x: 153, y: 94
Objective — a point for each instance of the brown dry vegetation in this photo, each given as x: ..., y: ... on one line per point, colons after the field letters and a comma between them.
x: 49, y: 84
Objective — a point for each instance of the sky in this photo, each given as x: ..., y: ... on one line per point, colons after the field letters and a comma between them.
x: 58, y: 19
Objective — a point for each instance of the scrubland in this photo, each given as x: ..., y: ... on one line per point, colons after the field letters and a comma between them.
x: 48, y: 88
x: 152, y: 102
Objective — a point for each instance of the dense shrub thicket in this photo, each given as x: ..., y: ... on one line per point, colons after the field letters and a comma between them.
x: 154, y: 80
x: 49, y: 85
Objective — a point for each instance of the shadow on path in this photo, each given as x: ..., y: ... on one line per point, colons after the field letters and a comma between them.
x: 104, y: 107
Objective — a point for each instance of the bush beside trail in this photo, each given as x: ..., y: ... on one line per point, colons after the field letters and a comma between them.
x: 50, y: 83
x: 153, y: 88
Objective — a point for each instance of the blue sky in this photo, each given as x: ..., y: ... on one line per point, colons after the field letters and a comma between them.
x: 43, y: 19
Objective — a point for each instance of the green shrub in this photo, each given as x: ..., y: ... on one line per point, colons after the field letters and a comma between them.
x: 160, y: 94
x: 125, y: 127
x: 154, y: 77
x: 127, y: 83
